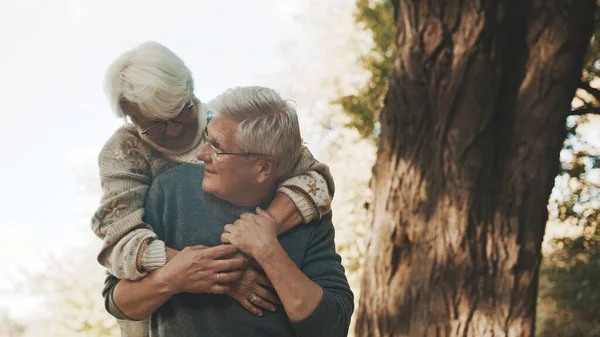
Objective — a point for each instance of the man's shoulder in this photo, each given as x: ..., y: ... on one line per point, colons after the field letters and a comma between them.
x: 180, y: 179
x: 181, y: 174
x: 322, y: 227
x: 326, y: 221
x: 309, y: 234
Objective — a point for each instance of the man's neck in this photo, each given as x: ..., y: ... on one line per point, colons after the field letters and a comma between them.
x: 260, y: 195
x: 255, y: 199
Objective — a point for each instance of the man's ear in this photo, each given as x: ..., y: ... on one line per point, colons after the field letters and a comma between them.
x: 267, y: 169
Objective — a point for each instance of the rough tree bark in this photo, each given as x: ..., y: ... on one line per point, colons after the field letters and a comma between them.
x: 471, y: 132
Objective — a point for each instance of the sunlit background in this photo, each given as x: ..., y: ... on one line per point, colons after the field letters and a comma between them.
x: 55, y: 119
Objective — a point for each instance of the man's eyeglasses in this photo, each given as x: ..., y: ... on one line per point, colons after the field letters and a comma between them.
x: 160, y: 128
x: 215, y: 154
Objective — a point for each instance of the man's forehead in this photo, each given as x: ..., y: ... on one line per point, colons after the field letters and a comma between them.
x: 222, y: 129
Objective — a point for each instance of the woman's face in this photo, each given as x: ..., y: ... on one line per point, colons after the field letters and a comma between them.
x: 177, y: 133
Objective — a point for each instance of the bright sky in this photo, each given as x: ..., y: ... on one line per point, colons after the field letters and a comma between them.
x: 54, y: 114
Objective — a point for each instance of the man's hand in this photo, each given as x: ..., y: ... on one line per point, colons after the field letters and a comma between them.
x: 201, y: 269
x: 252, y: 293
x: 253, y: 234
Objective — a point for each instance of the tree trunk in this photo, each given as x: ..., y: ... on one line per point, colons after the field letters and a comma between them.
x: 471, y: 132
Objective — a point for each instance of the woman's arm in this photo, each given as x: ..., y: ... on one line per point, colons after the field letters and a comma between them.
x: 285, y: 213
x: 193, y: 270
x: 136, y: 300
x: 130, y: 248
x: 304, y: 195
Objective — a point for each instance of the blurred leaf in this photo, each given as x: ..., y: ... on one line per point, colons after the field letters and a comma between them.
x: 363, y: 107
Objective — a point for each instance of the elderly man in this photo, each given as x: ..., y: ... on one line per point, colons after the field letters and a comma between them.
x: 253, y: 141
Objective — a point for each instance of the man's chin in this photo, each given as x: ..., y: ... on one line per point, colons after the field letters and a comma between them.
x: 207, y: 186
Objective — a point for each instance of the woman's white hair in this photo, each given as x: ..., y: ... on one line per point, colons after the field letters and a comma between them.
x: 268, y: 124
x: 152, y: 77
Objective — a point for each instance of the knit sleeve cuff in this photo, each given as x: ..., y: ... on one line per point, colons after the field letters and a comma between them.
x: 310, y: 194
x: 302, y: 201
x: 155, y: 256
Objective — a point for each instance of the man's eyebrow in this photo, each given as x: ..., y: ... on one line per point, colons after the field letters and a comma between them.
x: 212, y: 140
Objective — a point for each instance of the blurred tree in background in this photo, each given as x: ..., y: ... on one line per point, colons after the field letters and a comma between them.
x: 569, y: 299
x: 10, y: 328
x: 70, y: 289
x: 377, y: 18
x: 569, y: 295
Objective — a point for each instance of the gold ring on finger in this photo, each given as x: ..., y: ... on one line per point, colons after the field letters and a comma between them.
x: 254, y: 298
x: 218, y: 274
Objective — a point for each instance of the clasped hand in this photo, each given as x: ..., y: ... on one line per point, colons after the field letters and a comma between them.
x: 253, y: 234
x: 219, y: 270
x: 201, y: 269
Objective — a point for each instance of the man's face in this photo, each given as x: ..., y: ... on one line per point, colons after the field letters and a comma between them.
x: 228, y: 177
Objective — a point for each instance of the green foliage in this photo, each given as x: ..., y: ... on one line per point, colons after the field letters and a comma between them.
x: 573, y: 275
x: 568, y: 304
x: 377, y: 18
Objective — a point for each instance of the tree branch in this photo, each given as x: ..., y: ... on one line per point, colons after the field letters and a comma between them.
x: 585, y: 110
x: 592, y: 91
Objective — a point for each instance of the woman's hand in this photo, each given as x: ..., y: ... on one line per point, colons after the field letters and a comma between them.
x: 201, y: 269
x: 253, y: 234
x: 252, y: 293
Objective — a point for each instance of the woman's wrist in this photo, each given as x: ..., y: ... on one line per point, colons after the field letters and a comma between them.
x: 163, y: 282
x: 171, y: 253
x: 284, y: 212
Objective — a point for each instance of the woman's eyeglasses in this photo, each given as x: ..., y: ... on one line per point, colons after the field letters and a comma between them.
x: 160, y: 128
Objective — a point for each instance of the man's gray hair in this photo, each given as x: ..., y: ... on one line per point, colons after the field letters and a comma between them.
x: 152, y: 77
x: 268, y: 124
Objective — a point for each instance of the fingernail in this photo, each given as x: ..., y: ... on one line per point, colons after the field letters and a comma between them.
x: 273, y: 309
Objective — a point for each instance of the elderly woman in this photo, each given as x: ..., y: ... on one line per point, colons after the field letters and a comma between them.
x: 153, y: 88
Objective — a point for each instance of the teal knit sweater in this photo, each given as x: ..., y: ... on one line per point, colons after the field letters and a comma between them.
x: 183, y: 215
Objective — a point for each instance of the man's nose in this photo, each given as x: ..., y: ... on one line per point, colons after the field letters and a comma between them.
x: 203, y: 153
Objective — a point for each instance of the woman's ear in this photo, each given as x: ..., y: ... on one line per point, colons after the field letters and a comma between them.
x: 266, y: 169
